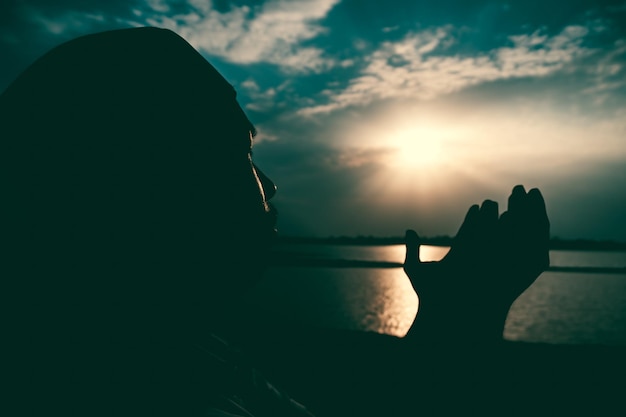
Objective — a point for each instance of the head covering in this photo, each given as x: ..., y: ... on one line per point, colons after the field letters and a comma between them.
x: 147, y: 70
x: 108, y: 144
x: 101, y: 111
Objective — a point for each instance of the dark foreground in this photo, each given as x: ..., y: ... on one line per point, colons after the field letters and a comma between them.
x: 347, y: 373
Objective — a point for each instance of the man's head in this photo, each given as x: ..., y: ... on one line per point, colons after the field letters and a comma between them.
x: 126, y: 166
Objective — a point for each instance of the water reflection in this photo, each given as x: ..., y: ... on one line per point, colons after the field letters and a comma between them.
x: 396, y: 253
x: 433, y: 253
x: 570, y: 308
x: 383, y: 253
x: 374, y: 299
x: 380, y: 300
x: 560, y: 307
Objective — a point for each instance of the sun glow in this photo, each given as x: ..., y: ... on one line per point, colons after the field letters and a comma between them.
x: 417, y: 149
x: 425, y: 157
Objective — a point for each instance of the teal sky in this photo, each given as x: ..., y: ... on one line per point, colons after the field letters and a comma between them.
x: 374, y: 117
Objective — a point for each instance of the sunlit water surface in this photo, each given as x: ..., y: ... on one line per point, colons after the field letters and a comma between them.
x: 560, y: 307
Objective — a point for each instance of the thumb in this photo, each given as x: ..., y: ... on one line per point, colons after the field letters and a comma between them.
x: 412, y: 258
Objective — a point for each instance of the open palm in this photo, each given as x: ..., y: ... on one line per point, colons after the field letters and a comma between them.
x: 493, y: 259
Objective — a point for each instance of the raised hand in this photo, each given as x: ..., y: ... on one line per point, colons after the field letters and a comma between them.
x: 467, y: 295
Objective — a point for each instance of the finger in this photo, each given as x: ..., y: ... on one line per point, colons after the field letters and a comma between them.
x: 517, y: 217
x: 412, y: 242
x: 488, y: 213
x: 539, y: 226
x: 537, y: 210
x: 517, y: 199
x: 470, y: 224
x: 488, y: 223
x: 413, y: 267
x: 531, y: 218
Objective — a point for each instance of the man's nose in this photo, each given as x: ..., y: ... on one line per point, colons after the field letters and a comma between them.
x: 269, y: 188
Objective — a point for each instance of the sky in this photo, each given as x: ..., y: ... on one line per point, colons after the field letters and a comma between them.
x: 378, y: 116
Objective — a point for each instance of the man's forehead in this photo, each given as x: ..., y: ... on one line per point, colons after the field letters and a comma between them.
x: 241, y: 119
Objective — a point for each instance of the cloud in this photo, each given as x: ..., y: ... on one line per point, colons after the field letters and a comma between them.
x: 271, y: 33
x: 67, y: 22
x: 417, y: 67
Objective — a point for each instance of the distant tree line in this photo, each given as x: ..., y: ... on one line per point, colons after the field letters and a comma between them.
x: 555, y: 242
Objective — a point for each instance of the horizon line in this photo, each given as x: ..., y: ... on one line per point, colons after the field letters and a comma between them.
x: 445, y: 240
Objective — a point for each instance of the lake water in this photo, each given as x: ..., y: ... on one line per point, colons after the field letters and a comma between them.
x: 560, y: 307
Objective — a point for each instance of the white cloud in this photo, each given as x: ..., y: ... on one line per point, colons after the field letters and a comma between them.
x: 412, y: 69
x: 262, y: 100
x: 271, y: 33
x: 158, y: 5
x: 66, y: 22
x: 250, y: 85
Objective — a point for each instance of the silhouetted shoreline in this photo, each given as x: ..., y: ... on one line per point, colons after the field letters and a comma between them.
x: 555, y: 243
x: 290, y: 259
x: 284, y: 256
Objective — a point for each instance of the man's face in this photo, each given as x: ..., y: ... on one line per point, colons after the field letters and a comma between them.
x: 266, y: 189
x: 247, y: 218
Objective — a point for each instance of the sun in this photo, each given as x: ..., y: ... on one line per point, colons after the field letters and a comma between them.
x: 414, y: 156
x: 416, y: 149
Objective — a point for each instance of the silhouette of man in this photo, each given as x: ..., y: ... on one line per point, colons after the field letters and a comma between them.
x: 135, y: 220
